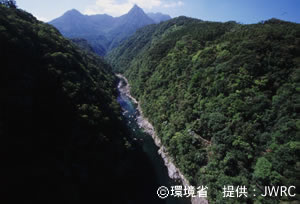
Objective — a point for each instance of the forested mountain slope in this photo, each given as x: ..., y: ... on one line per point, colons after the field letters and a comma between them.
x: 224, y: 99
x: 62, y: 138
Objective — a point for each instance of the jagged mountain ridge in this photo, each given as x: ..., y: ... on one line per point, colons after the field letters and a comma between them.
x: 102, y: 31
x: 159, y: 17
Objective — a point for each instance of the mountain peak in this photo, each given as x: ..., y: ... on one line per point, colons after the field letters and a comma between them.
x: 136, y: 9
x: 73, y: 12
x: 136, y: 16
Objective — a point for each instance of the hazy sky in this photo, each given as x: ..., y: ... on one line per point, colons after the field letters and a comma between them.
x: 244, y: 11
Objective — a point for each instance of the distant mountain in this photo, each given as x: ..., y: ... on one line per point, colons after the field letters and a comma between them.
x: 74, y: 24
x: 159, y: 17
x: 126, y: 25
x: 102, y: 31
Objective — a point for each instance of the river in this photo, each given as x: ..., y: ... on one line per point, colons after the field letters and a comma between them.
x: 145, y: 141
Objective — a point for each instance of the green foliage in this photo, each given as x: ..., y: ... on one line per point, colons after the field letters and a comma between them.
x: 222, y: 96
x: 262, y: 169
x: 83, y: 44
x: 9, y: 3
x: 62, y: 139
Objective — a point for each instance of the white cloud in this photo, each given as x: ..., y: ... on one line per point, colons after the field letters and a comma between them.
x: 40, y: 18
x: 146, y: 4
x: 173, y: 4
x: 115, y: 8
x: 109, y: 7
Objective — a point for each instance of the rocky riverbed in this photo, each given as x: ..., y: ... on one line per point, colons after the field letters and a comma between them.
x: 143, y: 122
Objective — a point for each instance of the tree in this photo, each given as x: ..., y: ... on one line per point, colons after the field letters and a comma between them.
x: 9, y: 3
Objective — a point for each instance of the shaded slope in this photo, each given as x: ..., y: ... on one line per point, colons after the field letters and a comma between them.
x: 62, y: 139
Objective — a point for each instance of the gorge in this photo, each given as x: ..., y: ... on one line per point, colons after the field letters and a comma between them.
x: 205, y: 103
x: 137, y: 122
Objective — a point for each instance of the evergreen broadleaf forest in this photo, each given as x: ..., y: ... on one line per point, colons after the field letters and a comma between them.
x: 222, y: 97
x: 225, y: 97
x: 62, y: 136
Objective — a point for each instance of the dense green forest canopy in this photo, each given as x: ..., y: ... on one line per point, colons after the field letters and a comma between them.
x: 224, y: 99
x: 62, y: 137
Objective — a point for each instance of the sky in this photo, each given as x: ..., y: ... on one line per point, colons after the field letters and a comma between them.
x: 242, y: 11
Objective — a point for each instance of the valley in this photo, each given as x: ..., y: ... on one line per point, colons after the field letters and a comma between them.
x: 221, y: 97
x: 97, y: 108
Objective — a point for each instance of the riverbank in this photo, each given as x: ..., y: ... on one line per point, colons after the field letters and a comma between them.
x: 173, y: 171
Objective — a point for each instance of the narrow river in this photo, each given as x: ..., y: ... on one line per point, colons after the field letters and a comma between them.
x: 148, y: 146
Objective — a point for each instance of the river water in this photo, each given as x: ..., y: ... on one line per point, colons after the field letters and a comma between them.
x: 145, y: 141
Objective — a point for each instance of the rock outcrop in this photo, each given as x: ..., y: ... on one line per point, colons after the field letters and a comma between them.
x: 173, y: 171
